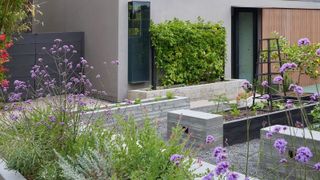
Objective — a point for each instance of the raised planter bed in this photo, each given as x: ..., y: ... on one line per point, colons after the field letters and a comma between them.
x: 230, y: 88
x: 235, y: 131
x: 296, y: 137
x: 151, y: 108
x: 198, y: 125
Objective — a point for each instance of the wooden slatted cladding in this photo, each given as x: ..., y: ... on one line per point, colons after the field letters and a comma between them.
x: 293, y: 24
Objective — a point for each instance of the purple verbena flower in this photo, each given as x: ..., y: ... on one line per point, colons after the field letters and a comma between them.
x: 278, y: 80
x: 318, y: 52
x: 220, y: 154
x: 265, y: 84
x: 52, y: 118
x: 265, y: 96
x: 176, y: 158
x: 304, y: 42
x: 209, y: 139
x: 269, y: 134
x: 298, y: 90
x: 287, y: 66
x: 19, y: 85
x: 233, y: 176
x: 222, y: 168
x: 289, y: 104
x: 13, y: 117
x: 280, y: 145
x: 315, y: 97
x: 303, y: 155
x: 209, y: 176
x: 14, y: 97
x: 246, y: 85
x: 283, y: 160
x: 317, y: 166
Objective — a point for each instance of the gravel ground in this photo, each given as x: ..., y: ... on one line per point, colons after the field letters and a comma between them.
x: 237, y: 158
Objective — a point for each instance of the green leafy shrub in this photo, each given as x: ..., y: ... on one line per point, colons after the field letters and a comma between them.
x: 132, y: 152
x: 188, y: 53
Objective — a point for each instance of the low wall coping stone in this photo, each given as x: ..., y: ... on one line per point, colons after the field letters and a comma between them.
x: 195, y: 114
x: 297, y: 132
x: 9, y: 174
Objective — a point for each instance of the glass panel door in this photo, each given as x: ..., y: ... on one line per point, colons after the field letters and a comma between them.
x: 246, y: 46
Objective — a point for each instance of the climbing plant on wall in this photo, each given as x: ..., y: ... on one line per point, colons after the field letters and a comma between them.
x: 189, y: 52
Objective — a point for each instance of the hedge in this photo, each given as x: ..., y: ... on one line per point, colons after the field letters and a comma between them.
x: 189, y: 53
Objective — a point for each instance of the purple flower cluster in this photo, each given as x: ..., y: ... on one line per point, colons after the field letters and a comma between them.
x: 289, y: 104
x: 57, y: 48
x: 318, y: 52
x: 19, y: 85
x: 220, y: 154
x: 209, y: 176
x: 278, y: 80
x: 315, y: 97
x: 283, y: 160
x: 176, y: 158
x: 265, y: 96
x: 265, y: 84
x: 222, y: 168
x: 280, y: 145
x: 275, y: 129
x: 246, y: 85
x: 13, y: 97
x: 303, y: 155
x: 317, y: 166
x: 209, y: 139
x: 297, y: 89
x: 233, y: 176
x: 304, y: 42
x: 287, y: 66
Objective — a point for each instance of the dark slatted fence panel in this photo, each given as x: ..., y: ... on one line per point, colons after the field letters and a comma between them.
x: 28, y: 48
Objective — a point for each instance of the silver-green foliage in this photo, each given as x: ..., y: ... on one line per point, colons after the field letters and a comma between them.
x: 91, y: 165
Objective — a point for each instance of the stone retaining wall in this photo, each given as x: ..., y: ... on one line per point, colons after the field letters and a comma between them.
x: 151, y: 108
x: 230, y: 88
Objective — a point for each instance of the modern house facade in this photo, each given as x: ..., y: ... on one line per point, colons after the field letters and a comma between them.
x: 105, y: 23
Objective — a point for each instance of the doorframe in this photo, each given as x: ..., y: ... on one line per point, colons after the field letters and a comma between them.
x: 257, y: 34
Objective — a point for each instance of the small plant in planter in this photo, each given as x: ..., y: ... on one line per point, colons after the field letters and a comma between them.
x: 235, y: 112
x: 170, y: 95
x: 137, y: 101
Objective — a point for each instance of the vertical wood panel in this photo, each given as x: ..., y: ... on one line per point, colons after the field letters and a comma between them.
x: 293, y: 24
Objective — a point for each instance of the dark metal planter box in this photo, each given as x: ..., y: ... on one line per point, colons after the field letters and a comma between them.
x: 235, y: 132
